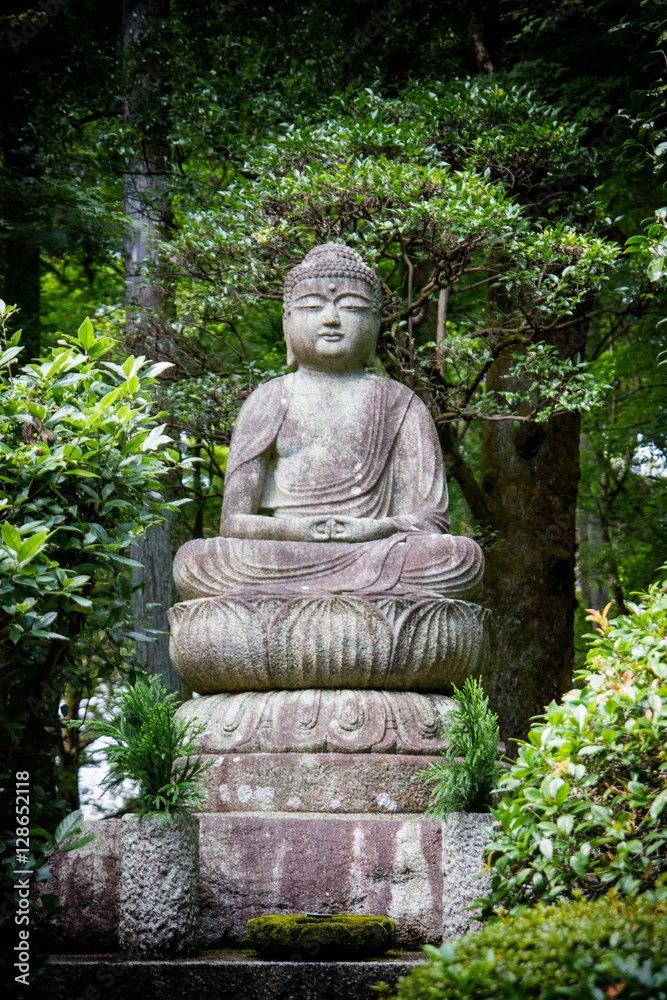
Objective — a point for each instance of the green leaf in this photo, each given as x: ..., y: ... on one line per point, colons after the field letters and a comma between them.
x: 579, y: 863
x: 70, y: 825
x: 658, y: 804
x: 31, y: 546
x: 42, y: 874
x: 547, y: 848
x: 79, y: 843
x: 86, y: 334
x: 11, y: 536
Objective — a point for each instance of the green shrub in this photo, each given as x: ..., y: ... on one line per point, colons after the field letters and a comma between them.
x: 468, y: 770
x: 586, y: 802
x: 150, y: 746
x: 82, y: 461
x: 576, y: 949
x: 82, y: 465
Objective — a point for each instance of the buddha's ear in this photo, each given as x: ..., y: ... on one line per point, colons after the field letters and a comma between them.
x: 291, y: 360
x: 370, y: 357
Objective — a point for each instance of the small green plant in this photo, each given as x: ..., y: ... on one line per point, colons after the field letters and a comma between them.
x: 585, y: 807
x: 469, y: 769
x: 150, y: 746
x: 573, y: 950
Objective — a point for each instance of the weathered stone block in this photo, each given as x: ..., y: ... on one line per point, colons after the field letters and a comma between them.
x: 88, y: 882
x: 422, y: 874
x: 463, y: 840
x: 159, y: 887
x: 316, y: 782
x: 254, y: 865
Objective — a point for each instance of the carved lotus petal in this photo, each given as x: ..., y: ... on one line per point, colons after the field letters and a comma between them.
x: 439, y: 643
x: 219, y: 644
x: 328, y: 642
x: 320, y: 720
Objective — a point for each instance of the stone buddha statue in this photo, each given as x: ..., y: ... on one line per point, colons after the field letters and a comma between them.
x: 334, y: 567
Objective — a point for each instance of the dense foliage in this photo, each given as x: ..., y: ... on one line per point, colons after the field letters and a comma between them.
x: 468, y: 770
x: 82, y: 466
x: 421, y: 184
x: 585, y: 805
x: 579, y: 950
x: 147, y: 744
x: 81, y: 463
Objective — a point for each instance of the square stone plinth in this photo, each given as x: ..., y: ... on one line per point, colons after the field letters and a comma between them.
x: 254, y: 865
x: 400, y: 865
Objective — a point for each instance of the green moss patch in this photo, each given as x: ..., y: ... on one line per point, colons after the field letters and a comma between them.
x: 341, y: 936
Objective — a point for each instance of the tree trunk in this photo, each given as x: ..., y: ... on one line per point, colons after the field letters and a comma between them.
x: 149, y: 304
x: 155, y: 552
x: 529, y: 475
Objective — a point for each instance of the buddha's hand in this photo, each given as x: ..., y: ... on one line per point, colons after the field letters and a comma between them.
x: 362, y: 529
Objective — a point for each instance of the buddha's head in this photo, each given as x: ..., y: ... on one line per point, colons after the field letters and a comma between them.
x: 331, y: 311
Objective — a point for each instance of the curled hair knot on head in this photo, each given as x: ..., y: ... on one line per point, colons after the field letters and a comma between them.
x: 332, y: 260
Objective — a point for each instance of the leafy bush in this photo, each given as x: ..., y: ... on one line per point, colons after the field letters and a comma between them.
x: 81, y: 457
x: 469, y: 770
x: 576, y: 949
x: 586, y: 802
x: 151, y: 747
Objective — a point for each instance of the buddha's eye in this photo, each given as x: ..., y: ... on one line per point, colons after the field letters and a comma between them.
x: 350, y: 302
x: 310, y: 302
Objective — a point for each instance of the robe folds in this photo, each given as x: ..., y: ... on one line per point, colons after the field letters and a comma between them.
x: 400, y: 474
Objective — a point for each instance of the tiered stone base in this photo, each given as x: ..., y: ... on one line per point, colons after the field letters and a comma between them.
x: 319, y: 720
x: 400, y: 865
x: 244, y: 643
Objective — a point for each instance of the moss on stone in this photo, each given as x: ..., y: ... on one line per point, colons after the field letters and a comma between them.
x: 340, y: 936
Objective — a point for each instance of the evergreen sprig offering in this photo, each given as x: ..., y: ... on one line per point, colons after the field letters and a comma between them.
x: 150, y: 746
x: 469, y: 770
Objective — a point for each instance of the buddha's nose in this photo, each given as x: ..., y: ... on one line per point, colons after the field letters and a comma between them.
x: 331, y: 316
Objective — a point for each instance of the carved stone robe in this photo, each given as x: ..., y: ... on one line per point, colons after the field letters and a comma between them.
x: 398, y: 474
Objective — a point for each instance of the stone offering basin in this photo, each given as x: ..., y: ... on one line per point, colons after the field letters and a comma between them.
x: 321, y: 938
x: 236, y: 643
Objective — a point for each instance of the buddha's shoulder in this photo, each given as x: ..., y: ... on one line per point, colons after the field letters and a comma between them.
x: 268, y: 392
x: 396, y: 391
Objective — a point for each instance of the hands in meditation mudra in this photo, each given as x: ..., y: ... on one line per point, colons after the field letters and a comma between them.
x: 333, y: 567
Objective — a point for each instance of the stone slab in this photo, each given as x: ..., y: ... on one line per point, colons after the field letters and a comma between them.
x: 88, y: 882
x: 316, y: 782
x: 253, y: 865
x: 224, y: 977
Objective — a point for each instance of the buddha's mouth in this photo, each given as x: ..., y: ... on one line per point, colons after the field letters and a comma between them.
x: 331, y: 336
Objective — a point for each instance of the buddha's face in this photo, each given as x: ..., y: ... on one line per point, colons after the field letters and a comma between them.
x: 331, y: 324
